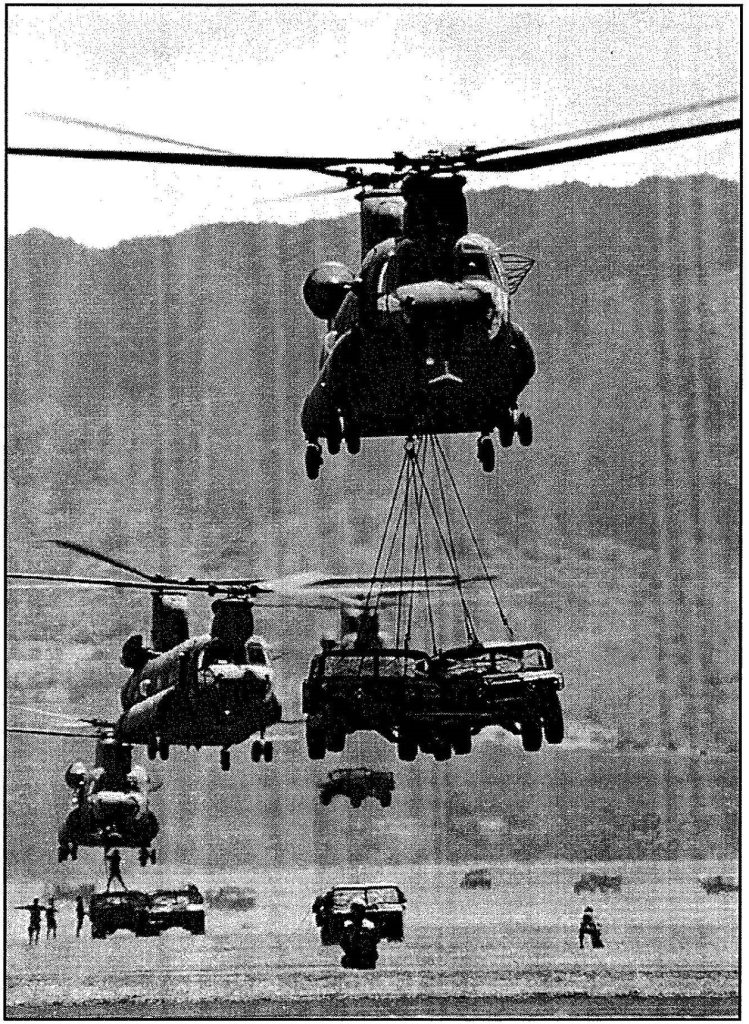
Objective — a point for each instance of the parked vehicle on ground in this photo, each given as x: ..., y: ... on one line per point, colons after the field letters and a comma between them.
x: 146, y: 913
x: 384, y: 905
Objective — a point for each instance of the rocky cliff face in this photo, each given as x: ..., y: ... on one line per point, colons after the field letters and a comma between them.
x: 153, y: 399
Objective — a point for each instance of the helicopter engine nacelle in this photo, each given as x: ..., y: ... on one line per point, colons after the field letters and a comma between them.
x: 76, y: 775
x: 326, y: 288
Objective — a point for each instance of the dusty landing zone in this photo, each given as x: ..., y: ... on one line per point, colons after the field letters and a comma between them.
x: 671, y: 950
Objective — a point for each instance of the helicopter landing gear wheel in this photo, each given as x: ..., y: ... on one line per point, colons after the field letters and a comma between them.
x: 163, y: 750
x: 268, y: 751
x: 506, y: 430
x: 313, y: 461
x: 524, y: 427
x: 225, y: 758
x: 256, y: 751
x: 152, y: 749
x: 485, y: 453
x: 334, y: 436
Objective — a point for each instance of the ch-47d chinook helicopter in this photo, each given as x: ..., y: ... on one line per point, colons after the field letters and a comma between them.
x: 211, y: 690
x: 110, y: 801
x: 421, y: 340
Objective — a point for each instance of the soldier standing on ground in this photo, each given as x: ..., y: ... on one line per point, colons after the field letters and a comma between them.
x: 35, y: 920
x: 115, y: 860
x: 80, y: 915
x: 359, y: 940
x: 51, y: 914
x: 589, y: 926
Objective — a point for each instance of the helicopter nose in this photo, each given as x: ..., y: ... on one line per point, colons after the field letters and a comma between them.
x: 112, y: 806
x: 436, y: 298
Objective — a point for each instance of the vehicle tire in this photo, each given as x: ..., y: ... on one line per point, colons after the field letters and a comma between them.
x: 525, y: 429
x: 326, y: 936
x: 506, y: 431
x: 485, y: 454
x: 312, y: 461
x: 553, y: 720
x: 336, y: 740
x: 408, y: 748
x: 268, y: 751
x: 442, y: 750
x: 73, y: 851
x: 325, y: 800
x: 386, y: 799
x: 356, y: 802
x: 152, y: 856
x: 62, y: 854
x: 143, y: 858
x: 225, y: 758
x: 256, y: 751
x: 198, y: 928
x: 97, y: 933
x: 462, y: 742
x: 315, y: 743
x: 531, y: 734
x: 152, y: 749
x: 163, y: 750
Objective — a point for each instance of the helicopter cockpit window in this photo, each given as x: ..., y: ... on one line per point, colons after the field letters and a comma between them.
x: 255, y: 655
x: 473, y: 264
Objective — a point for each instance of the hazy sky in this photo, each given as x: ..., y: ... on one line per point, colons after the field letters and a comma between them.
x: 350, y: 81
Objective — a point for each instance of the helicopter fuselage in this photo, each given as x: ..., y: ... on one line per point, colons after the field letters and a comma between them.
x: 201, y: 693
x: 422, y: 341
x: 110, y: 806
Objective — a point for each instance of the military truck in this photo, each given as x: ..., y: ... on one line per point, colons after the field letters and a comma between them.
x: 384, y: 906
x: 357, y: 784
x: 719, y: 883
x: 591, y: 882
x: 146, y: 913
x: 434, y: 704
x: 479, y: 878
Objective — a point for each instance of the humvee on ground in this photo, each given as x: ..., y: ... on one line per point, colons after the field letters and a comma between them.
x: 384, y: 908
x: 146, y: 913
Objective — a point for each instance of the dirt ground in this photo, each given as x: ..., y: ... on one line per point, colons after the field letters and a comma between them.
x: 508, y: 951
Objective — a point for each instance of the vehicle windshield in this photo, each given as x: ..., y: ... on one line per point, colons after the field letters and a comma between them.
x: 375, y: 665
x: 383, y: 894
x: 343, y: 898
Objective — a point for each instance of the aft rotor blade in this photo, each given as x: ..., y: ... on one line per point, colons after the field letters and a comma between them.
x: 605, y: 147
x: 117, y: 130
x: 629, y: 122
x: 91, y: 553
x: 322, y: 164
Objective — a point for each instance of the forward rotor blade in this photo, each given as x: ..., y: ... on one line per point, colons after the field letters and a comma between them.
x: 87, y: 581
x: 322, y: 165
x: 57, y: 732
x: 605, y: 147
x: 629, y: 122
x: 91, y: 553
x: 117, y: 130
x: 48, y: 714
